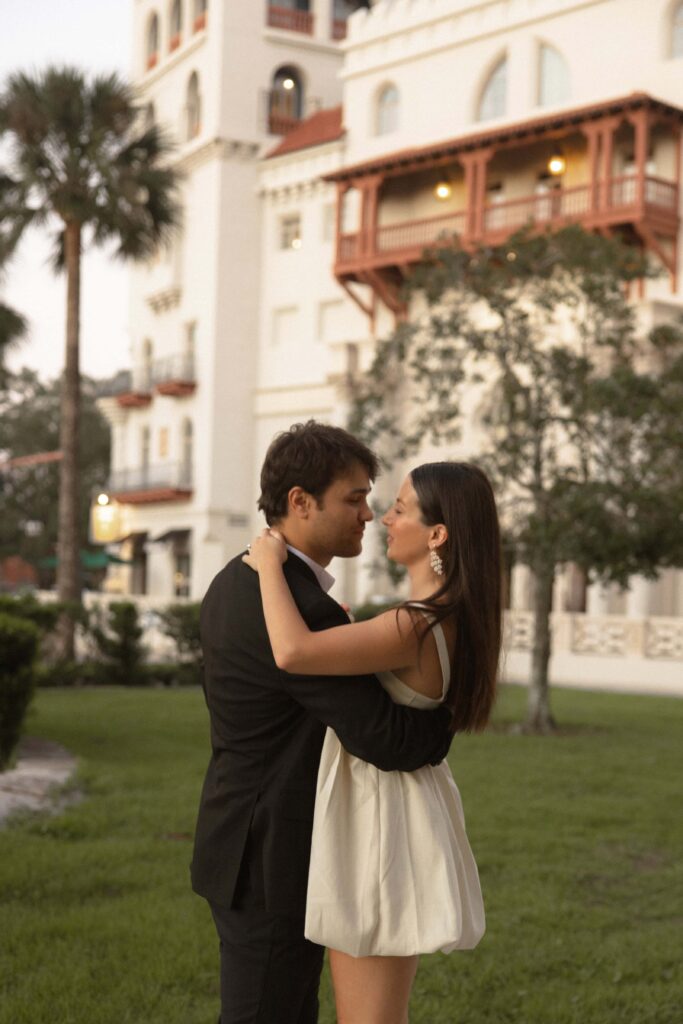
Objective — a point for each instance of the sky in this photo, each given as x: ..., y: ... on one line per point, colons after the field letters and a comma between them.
x: 94, y: 35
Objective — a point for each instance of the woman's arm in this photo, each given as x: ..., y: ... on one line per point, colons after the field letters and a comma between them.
x: 389, y: 641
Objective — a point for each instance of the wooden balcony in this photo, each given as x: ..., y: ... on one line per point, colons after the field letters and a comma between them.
x: 290, y: 19
x: 148, y: 485
x: 601, y: 141
x: 404, y: 243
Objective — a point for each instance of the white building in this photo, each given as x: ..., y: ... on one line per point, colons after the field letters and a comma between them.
x: 293, y: 250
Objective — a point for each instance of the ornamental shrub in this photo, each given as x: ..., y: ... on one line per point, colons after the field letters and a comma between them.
x: 18, y: 647
x: 180, y: 622
x: 117, y: 634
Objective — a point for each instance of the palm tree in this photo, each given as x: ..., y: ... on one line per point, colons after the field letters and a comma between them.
x: 81, y: 164
x: 13, y: 328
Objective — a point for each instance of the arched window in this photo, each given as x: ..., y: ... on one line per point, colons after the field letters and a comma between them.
x: 494, y: 96
x: 186, y: 453
x: 176, y: 25
x: 147, y: 365
x: 286, y: 100
x: 199, y: 15
x: 677, y: 32
x: 144, y: 452
x: 553, y: 77
x: 152, y: 41
x: 388, y: 103
x: 194, y: 107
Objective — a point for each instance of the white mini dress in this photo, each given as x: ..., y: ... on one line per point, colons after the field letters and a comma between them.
x: 391, y: 871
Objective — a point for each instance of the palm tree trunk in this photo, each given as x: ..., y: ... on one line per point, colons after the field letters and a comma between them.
x: 68, y: 540
x: 539, y: 717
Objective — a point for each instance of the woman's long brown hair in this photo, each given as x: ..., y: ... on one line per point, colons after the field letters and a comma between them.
x: 459, y: 495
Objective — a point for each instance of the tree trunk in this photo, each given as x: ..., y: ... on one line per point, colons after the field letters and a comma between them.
x: 68, y: 539
x: 539, y: 717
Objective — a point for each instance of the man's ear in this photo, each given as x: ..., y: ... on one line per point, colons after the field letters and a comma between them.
x: 299, y: 502
x: 438, y: 535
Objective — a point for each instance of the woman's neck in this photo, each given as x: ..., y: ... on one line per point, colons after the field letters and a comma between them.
x: 423, y: 582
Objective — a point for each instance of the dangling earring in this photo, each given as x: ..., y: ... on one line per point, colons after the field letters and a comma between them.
x: 436, y: 561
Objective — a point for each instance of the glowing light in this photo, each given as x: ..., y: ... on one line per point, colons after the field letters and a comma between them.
x: 288, y: 84
x: 296, y: 243
x: 443, y: 190
x: 557, y: 163
x: 103, y: 499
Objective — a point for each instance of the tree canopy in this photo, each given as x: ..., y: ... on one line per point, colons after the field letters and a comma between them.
x: 531, y: 353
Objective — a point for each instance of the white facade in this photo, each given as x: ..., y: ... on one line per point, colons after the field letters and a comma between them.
x: 275, y: 334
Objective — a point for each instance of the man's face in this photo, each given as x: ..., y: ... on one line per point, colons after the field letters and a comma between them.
x: 336, y: 528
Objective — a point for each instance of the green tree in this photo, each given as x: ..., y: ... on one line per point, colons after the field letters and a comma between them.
x: 29, y: 423
x: 13, y: 326
x: 574, y: 412
x: 80, y: 164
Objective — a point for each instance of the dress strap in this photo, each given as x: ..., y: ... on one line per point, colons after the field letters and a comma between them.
x: 444, y: 660
x: 442, y: 650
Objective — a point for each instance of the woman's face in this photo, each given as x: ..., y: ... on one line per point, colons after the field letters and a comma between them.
x: 407, y: 536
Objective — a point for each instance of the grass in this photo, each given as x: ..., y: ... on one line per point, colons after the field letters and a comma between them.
x: 578, y: 839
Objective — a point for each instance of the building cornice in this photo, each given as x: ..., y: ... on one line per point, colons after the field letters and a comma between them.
x: 387, y: 37
x: 215, y: 149
x: 510, y: 133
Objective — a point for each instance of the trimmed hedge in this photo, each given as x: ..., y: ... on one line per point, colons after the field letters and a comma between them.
x: 18, y: 646
x: 117, y: 634
x: 180, y: 622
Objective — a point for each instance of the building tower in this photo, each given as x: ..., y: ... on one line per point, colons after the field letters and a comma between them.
x: 227, y: 79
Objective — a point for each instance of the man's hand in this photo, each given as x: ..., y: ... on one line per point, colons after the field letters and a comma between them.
x: 268, y: 546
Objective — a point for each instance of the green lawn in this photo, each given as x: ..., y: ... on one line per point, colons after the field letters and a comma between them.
x: 578, y: 840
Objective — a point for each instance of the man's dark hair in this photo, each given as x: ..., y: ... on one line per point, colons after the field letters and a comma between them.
x: 311, y: 456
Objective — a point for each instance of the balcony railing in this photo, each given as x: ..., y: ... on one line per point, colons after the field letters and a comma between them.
x: 133, y: 390
x: 620, y: 200
x: 290, y: 19
x: 419, y: 233
x: 169, y: 481
x: 339, y: 28
x: 174, y: 375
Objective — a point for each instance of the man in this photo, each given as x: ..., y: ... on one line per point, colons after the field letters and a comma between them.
x: 253, y: 837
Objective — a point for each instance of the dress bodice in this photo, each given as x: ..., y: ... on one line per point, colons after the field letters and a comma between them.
x: 401, y: 693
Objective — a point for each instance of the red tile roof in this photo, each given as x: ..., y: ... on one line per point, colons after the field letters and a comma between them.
x: 323, y: 126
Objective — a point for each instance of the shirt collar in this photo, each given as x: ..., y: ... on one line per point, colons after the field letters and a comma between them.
x: 324, y: 578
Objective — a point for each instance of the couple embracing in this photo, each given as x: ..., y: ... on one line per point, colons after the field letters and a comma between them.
x: 329, y: 817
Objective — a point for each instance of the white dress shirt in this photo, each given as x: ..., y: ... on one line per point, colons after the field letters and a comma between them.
x: 324, y: 578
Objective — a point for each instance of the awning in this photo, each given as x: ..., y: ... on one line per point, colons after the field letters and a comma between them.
x: 172, y: 537
x: 89, y: 560
x: 136, y: 535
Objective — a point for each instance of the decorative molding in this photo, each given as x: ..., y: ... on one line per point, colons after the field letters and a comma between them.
x: 401, y: 38
x: 216, y: 149
x: 165, y: 298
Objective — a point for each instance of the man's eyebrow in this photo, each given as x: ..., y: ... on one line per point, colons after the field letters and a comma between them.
x: 359, y: 490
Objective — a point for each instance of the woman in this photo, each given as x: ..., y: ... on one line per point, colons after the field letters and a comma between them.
x: 392, y: 874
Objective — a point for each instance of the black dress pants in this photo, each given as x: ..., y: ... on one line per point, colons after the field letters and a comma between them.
x: 270, y: 973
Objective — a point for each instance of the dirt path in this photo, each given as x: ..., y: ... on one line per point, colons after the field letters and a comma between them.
x: 41, y: 766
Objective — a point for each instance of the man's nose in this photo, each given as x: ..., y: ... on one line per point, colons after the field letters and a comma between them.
x: 368, y: 514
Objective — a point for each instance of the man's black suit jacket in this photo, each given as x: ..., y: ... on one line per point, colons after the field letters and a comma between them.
x: 267, y: 730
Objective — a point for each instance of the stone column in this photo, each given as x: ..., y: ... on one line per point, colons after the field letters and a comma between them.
x: 597, y: 599
x: 520, y: 589
x: 638, y: 597
x: 322, y: 25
